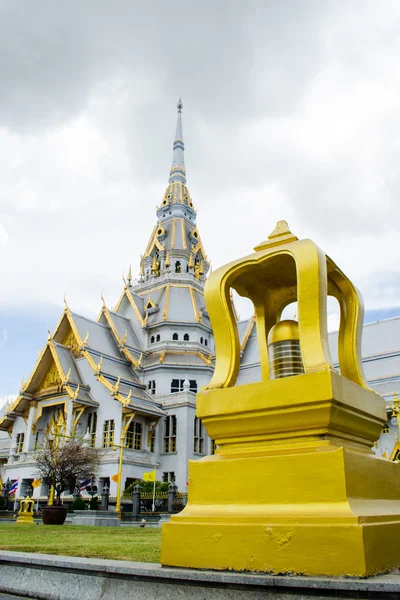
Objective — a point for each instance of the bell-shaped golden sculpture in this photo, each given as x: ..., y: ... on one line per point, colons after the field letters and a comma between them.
x: 294, y: 486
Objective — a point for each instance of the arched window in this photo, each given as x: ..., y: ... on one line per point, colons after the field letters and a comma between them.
x: 201, y: 340
x: 186, y: 337
x: 152, y: 339
x: 178, y: 266
x: 175, y: 336
x: 158, y: 338
x: 206, y: 342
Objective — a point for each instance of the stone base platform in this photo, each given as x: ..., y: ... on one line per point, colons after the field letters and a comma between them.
x: 48, y: 577
x: 97, y: 518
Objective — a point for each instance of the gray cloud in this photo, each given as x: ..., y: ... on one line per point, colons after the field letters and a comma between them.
x: 290, y: 111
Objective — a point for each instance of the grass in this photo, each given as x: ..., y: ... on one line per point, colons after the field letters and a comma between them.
x: 120, y: 543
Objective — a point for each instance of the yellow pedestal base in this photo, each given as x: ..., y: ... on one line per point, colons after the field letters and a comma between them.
x: 25, y: 519
x: 329, y: 512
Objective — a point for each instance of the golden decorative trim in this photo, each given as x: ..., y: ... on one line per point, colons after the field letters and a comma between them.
x: 165, y: 313
x: 183, y: 234
x: 173, y: 233
x: 196, y: 313
x: 135, y: 308
x: 248, y: 333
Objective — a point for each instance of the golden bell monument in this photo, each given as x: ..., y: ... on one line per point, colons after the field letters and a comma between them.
x: 294, y: 486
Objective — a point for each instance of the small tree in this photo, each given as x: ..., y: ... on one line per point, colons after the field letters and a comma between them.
x: 65, y: 467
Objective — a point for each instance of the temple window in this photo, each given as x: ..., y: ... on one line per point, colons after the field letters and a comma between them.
x: 153, y: 441
x: 152, y: 339
x: 206, y: 342
x: 201, y: 340
x: 177, y: 385
x: 134, y: 436
x: 108, y: 433
x: 151, y: 386
x: 193, y: 385
x: 170, y: 434
x: 386, y: 428
x: 20, y: 442
x: 158, y: 338
x: 175, y: 337
x: 198, y: 439
x: 178, y: 266
x: 186, y: 337
x: 92, y: 426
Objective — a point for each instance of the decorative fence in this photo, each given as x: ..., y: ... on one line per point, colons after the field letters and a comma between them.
x: 140, y: 505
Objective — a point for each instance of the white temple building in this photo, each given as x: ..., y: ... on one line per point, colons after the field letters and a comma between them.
x: 141, y: 363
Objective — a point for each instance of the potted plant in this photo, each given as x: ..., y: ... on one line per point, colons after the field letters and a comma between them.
x: 63, y: 467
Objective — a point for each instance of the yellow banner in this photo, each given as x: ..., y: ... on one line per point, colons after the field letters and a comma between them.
x: 36, y: 483
x: 149, y: 476
x: 115, y: 478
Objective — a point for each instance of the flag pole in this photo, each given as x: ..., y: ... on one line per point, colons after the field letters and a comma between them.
x: 154, y: 491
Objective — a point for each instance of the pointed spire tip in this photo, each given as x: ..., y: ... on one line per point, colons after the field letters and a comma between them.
x: 179, y: 106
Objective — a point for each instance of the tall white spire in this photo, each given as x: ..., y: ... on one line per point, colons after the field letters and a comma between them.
x: 178, y: 172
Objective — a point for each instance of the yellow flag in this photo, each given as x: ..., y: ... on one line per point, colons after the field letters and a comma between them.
x: 149, y: 476
x: 115, y: 478
x: 36, y: 483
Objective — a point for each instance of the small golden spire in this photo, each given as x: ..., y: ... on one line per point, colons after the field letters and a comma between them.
x: 68, y: 375
x: 116, y: 386
x: 129, y: 278
x: 102, y: 298
x: 168, y: 260
x: 155, y: 267
x: 98, y: 368
x: 201, y: 268
x: 191, y: 261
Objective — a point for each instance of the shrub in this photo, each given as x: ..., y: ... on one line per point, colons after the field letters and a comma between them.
x: 147, y: 487
x: 94, y: 503
x: 78, y: 504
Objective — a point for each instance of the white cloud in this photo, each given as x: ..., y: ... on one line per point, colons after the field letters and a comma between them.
x: 287, y: 114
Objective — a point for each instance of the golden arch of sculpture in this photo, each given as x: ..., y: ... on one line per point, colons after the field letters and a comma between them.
x: 294, y: 485
x: 283, y: 270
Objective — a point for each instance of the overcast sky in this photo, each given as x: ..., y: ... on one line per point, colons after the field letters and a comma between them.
x: 290, y: 112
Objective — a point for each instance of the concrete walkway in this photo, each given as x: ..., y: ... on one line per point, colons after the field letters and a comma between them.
x: 72, y: 578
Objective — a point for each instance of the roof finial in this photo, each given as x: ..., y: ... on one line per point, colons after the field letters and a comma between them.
x: 178, y: 172
x: 129, y: 278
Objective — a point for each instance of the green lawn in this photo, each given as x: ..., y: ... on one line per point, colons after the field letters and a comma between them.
x: 122, y: 543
